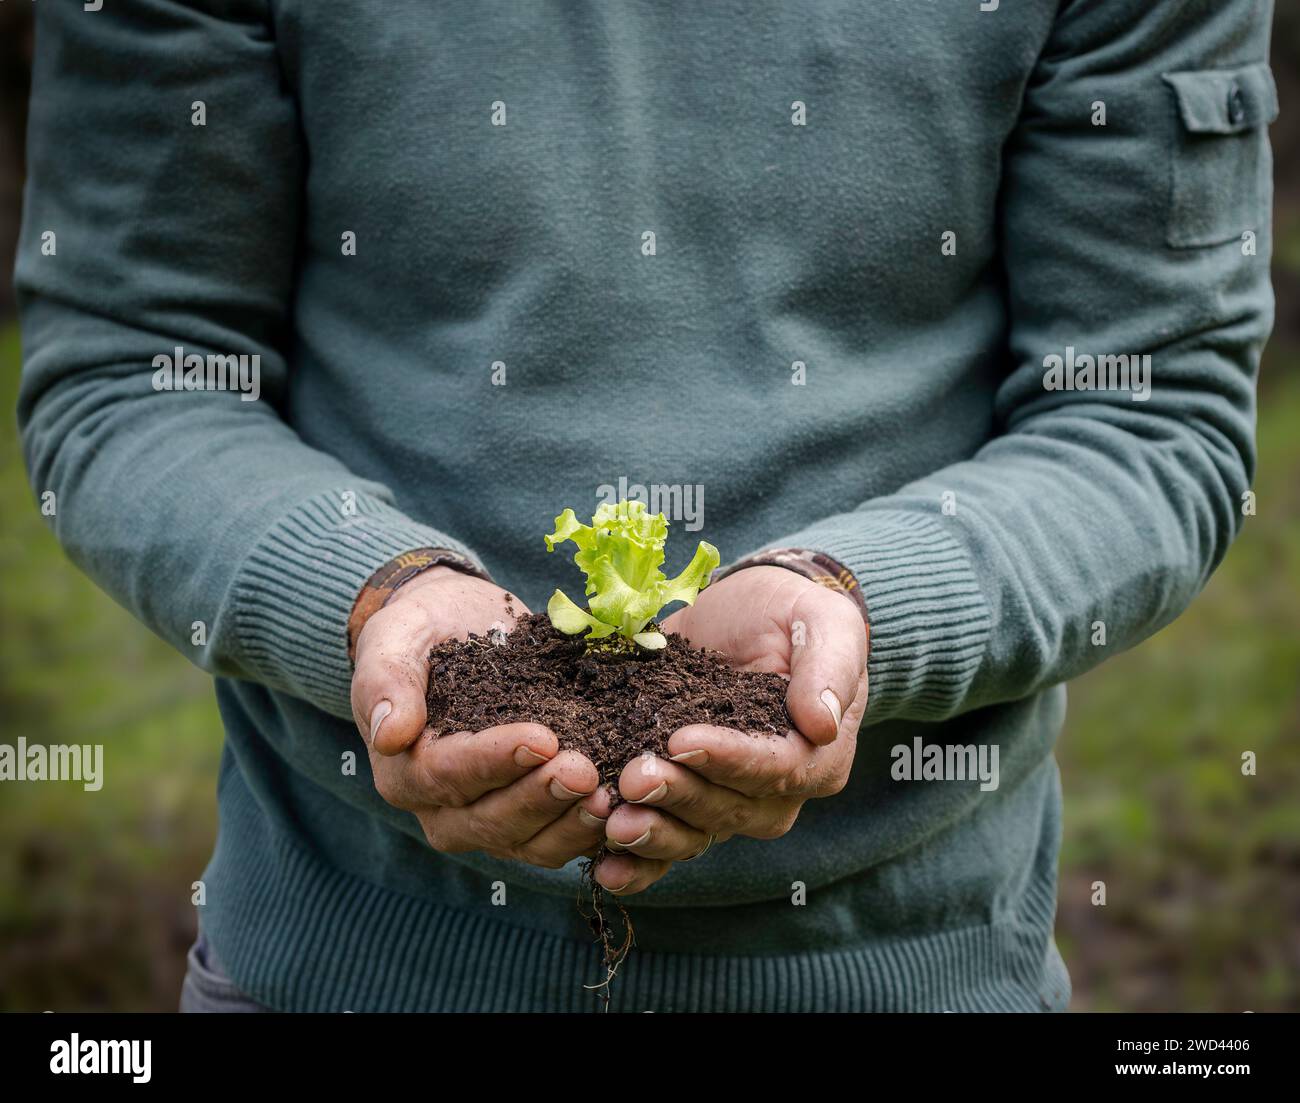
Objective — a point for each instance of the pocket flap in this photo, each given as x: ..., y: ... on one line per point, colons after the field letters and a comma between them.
x: 1225, y: 101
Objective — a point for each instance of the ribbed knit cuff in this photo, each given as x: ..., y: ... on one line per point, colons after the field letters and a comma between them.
x: 296, y: 590
x: 928, y: 619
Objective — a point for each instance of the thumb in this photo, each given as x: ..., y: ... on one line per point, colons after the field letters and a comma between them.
x: 827, y: 656
x: 389, y: 685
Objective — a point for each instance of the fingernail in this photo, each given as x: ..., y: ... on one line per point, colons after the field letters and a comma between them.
x: 691, y: 758
x: 657, y: 793
x: 588, y: 820
x: 833, y: 707
x: 621, y: 887
x: 640, y: 841
x: 560, y: 792
x: 526, y: 756
x: 378, y: 716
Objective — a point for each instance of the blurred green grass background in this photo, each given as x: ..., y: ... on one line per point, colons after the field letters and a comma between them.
x: 1201, y: 864
x: 94, y: 887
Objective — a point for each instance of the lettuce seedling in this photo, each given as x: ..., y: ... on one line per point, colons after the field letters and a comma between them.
x: 621, y: 552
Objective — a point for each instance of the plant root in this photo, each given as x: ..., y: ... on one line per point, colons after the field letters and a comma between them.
x: 614, y: 950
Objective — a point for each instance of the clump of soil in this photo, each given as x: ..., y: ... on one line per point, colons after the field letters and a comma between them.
x: 610, y: 706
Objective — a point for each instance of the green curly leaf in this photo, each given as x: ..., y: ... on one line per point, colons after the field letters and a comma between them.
x: 621, y: 553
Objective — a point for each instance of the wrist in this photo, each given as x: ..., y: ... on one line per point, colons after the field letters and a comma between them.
x: 423, y: 565
x: 813, y: 565
x: 431, y: 576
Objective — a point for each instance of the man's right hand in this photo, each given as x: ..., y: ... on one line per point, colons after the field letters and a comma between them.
x: 507, y: 791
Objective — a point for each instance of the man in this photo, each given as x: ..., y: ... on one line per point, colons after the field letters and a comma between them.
x: 954, y: 312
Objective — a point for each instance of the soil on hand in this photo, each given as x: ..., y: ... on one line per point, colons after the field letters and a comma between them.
x: 610, y: 707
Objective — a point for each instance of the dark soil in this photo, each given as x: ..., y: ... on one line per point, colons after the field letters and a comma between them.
x: 610, y: 707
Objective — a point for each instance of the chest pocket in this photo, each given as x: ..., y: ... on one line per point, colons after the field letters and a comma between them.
x: 1222, y: 177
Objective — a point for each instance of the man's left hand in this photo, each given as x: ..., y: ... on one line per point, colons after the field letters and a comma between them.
x: 719, y: 782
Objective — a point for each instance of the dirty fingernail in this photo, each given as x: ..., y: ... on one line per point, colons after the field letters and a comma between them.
x: 561, y: 792
x: 588, y: 820
x: 526, y: 756
x: 698, y: 757
x: 378, y: 716
x: 657, y: 793
x: 833, y: 707
x: 639, y: 841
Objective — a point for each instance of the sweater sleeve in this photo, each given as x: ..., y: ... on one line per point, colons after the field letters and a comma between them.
x: 203, y: 513
x: 1094, y: 516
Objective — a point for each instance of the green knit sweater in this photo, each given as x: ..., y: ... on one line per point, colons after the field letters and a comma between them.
x: 861, y: 274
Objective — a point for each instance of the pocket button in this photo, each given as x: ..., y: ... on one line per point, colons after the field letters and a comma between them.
x: 1236, y: 105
